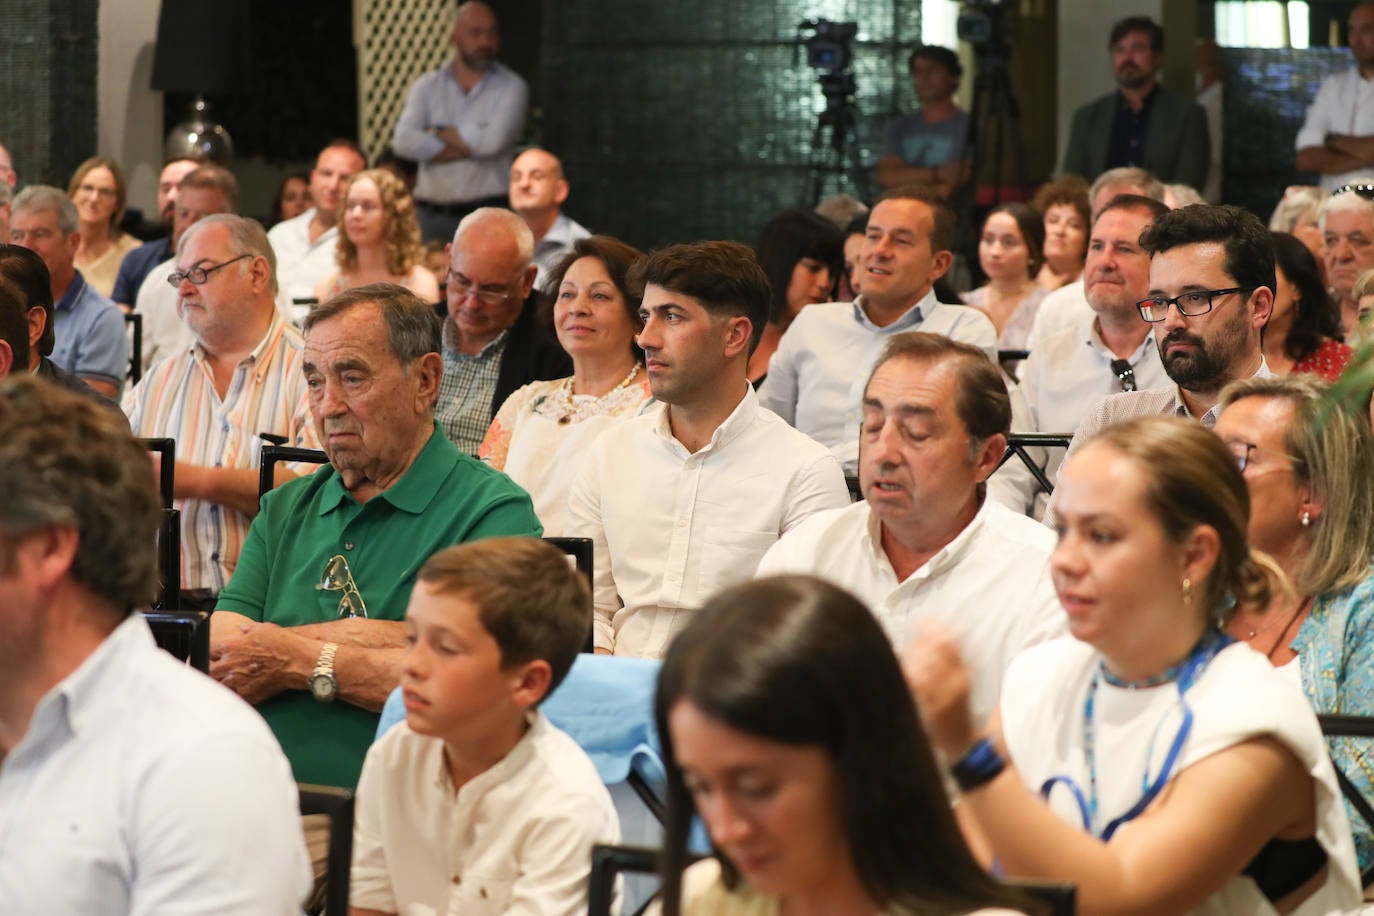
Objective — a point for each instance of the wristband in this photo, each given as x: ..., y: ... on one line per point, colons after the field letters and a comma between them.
x: 980, y: 765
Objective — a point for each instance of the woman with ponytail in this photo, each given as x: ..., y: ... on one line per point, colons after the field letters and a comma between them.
x: 1150, y: 759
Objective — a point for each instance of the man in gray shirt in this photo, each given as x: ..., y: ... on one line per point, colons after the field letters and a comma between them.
x: 927, y: 146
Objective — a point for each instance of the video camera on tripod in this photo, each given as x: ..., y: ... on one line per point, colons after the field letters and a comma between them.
x: 830, y: 49
x: 983, y: 24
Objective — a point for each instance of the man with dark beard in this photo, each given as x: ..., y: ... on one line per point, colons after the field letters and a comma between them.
x: 1211, y: 292
x: 1142, y: 123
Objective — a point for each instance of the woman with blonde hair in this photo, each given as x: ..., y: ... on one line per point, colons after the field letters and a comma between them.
x: 379, y: 239
x: 1148, y: 757
x: 97, y: 189
x: 1308, y: 465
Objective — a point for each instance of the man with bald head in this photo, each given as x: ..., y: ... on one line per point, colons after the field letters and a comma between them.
x: 137, y: 264
x: 460, y: 123
x: 492, y: 343
x: 537, y: 192
x: 305, y: 244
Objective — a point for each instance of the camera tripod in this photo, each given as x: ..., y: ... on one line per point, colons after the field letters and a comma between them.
x: 838, y: 153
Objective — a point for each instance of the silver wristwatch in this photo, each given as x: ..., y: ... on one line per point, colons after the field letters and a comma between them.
x: 324, y: 686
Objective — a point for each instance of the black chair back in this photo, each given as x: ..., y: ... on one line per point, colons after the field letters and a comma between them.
x: 169, y: 561
x: 337, y: 805
x: 167, y: 457
x: 1018, y: 443
x: 580, y: 550
x: 185, y: 634
x: 135, y: 322
x: 1334, y: 726
x: 271, y: 454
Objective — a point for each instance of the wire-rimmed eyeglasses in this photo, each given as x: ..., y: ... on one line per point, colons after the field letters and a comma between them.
x: 1243, y: 451
x: 1190, y: 304
x: 198, y: 275
x: 337, y: 577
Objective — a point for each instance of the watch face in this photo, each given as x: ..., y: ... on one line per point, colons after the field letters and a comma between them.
x: 323, y: 687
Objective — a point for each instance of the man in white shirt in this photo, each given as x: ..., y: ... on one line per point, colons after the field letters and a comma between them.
x: 207, y: 190
x: 537, y: 192
x: 1337, y: 138
x: 129, y: 783
x: 305, y: 244
x: 815, y: 379
x: 1211, y: 293
x: 683, y: 500
x: 926, y: 546
x: 1107, y: 351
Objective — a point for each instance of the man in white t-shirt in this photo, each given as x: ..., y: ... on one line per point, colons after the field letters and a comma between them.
x: 684, y: 499
x: 1337, y: 138
x: 305, y: 244
x: 926, y: 545
x: 815, y: 379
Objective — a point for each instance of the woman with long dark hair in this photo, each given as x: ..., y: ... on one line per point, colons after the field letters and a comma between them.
x: 802, y: 255
x: 1304, y: 333
x: 787, y: 727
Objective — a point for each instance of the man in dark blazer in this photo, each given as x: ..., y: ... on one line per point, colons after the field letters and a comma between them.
x: 1142, y: 123
x: 494, y: 338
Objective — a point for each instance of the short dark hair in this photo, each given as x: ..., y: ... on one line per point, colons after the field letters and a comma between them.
x: 1249, y: 247
x: 412, y: 327
x: 945, y: 231
x: 982, y: 402
x: 14, y: 323
x: 210, y: 176
x: 725, y: 277
x: 1144, y: 24
x: 26, y: 270
x: 1156, y: 208
x: 528, y: 597
x: 1315, y: 315
x: 940, y: 55
x: 66, y: 461
x: 1031, y: 223
x: 786, y: 239
x: 796, y: 660
x: 614, y: 255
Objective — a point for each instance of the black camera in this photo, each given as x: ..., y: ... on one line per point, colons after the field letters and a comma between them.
x: 829, y: 46
x: 983, y: 24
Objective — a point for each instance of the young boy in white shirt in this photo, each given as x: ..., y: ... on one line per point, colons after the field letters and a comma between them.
x: 476, y: 803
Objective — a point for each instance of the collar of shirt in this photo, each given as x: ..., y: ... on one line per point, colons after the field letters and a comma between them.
x: 491, y: 73
x: 961, y: 545
x: 301, y: 226
x: 258, y: 358
x: 475, y: 789
x: 1145, y: 103
x: 1209, y: 419
x: 739, y: 420
x: 1092, y: 336
x: 417, y: 487
x: 908, y: 320
x: 74, y: 291
x: 492, y: 349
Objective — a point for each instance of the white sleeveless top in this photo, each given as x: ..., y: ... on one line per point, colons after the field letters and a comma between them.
x: 1239, y: 696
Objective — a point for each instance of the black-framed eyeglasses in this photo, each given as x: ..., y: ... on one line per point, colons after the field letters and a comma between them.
x: 1243, y: 450
x: 455, y: 282
x: 1364, y: 190
x: 198, y: 275
x: 1125, y: 373
x: 337, y: 577
x: 1190, y: 304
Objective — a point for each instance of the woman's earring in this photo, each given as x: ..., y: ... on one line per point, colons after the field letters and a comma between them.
x: 1187, y: 591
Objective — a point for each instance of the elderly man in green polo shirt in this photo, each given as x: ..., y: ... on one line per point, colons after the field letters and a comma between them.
x: 309, y: 627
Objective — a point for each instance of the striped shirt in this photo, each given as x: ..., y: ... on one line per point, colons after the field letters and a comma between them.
x: 177, y: 399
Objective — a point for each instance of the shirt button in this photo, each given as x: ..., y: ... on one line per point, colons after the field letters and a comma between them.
x: 682, y: 523
x: 348, y: 545
x: 457, y: 879
x: 672, y: 577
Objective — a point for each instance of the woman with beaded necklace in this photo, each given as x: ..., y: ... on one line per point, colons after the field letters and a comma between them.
x: 542, y: 429
x: 1308, y: 467
x: 1150, y: 759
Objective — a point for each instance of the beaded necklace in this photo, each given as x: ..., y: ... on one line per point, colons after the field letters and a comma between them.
x: 573, y: 412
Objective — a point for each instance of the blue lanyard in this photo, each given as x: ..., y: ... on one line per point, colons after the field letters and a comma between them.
x: 1184, y: 674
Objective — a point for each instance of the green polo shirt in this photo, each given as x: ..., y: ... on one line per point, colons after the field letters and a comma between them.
x: 445, y: 498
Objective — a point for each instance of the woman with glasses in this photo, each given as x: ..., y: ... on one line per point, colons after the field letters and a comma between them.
x: 787, y: 728
x: 379, y: 239
x: 1308, y: 465
x: 1304, y: 330
x: 97, y: 189
x: 1149, y: 758
x: 543, y: 428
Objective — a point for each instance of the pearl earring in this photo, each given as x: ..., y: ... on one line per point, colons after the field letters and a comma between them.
x: 1306, y: 519
x: 1187, y: 591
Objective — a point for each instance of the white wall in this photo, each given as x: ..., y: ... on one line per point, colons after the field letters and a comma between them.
x: 129, y: 122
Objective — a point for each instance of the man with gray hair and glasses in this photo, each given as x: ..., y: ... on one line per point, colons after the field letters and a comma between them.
x: 239, y: 382
x: 89, y: 329
x: 492, y: 342
x: 309, y: 628
x: 1347, y: 224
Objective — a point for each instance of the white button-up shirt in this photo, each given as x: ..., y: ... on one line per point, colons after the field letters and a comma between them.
x: 671, y: 527
x: 817, y: 376
x: 142, y: 786
x: 990, y: 586
x: 516, y: 838
x: 301, y: 263
x: 1344, y: 105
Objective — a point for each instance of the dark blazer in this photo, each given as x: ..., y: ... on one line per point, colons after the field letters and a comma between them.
x: 532, y: 354
x: 1177, y: 148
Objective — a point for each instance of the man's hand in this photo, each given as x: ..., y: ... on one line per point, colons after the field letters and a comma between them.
x: 455, y: 147
x: 256, y: 660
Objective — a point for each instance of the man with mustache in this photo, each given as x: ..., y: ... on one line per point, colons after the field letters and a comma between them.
x: 1211, y: 292
x: 1347, y: 224
x: 1142, y: 123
